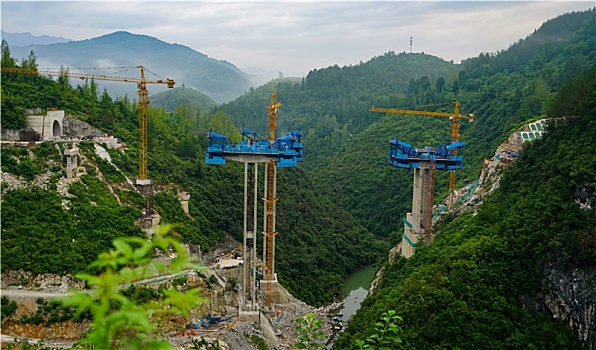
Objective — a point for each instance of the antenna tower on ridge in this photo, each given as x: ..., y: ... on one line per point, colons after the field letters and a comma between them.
x: 410, y: 44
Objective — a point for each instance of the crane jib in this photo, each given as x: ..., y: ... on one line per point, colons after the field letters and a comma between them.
x: 143, y: 99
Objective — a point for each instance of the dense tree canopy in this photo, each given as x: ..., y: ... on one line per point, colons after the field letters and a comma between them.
x: 464, y: 290
x: 103, y: 206
x: 342, y: 207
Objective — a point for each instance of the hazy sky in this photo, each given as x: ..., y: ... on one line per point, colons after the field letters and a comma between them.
x: 295, y: 37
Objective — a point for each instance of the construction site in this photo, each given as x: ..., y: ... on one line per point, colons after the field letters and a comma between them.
x: 239, y: 279
x: 50, y: 126
x: 260, y: 290
x: 242, y: 288
x: 282, y: 152
x: 261, y: 297
x: 418, y: 224
x: 221, y: 318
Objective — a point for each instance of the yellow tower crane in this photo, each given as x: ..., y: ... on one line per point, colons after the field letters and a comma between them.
x: 273, y: 110
x: 453, y: 119
x: 143, y: 100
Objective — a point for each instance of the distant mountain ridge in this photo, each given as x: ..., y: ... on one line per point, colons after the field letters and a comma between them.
x: 218, y: 79
x: 25, y: 39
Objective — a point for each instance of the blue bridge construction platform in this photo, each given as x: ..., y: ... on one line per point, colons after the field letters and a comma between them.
x: 286, y: 151
x: 403, y: 155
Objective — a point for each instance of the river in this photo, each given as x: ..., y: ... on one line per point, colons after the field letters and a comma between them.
x: 355, y: 290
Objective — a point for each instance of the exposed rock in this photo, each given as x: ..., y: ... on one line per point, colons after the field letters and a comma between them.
x: 393, y: 253
x: 569, y: 293
x: 47, y: 282
x: 12, y: 181
x: 585, y: 197
x: 67, y: 330
x: 78, y: 128
x: 102, y: 153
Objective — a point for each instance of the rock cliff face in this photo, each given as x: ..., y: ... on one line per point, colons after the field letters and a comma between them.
x: 19, y: 135
x: 569, y: 293
x: 77, y: 128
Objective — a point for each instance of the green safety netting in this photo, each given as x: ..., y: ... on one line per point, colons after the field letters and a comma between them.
x: 407, y: 222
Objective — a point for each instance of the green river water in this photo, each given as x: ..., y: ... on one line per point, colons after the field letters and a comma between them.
x: 355, y: 290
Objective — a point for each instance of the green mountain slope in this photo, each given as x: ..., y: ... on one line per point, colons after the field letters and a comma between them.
x: 344, y: 93
x: 182, y: 96
x: 39, y: 233
x: 82, y: 220
x: 346, y: 144
x: 465, y: 290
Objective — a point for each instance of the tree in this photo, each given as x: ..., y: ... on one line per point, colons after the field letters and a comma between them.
x: 439, y: 84
x: 7, y: 60
x: 30, y: 62
x: 93, y: 90
x: 8, y: 308
x: 386, y: 337
x: 424, y: 83
x: 119, y: 322
x: 455, y: 88
x: 223, y: 124
x: 310, y: 331
x: 452, y: 77
x: 63, y: 78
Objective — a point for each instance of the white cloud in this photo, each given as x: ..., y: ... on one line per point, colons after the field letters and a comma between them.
x: 295, y: 37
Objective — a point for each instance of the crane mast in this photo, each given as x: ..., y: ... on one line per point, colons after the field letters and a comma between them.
x: 143, y: 102
x: 143, y: 111
x: 283, y: 152
x: 273, y: 110
x: 453, y: 119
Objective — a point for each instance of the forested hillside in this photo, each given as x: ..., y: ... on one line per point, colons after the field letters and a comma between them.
x: 347, y: 145
x: 465, y: 291
x: 315, y: 235
x: 171, y: 99
x: 341, y: 208
x: 332, y: 103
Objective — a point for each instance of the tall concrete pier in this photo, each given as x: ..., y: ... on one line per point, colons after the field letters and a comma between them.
x: 415, y: 230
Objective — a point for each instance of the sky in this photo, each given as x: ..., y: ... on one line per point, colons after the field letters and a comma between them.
x: 294, y: 37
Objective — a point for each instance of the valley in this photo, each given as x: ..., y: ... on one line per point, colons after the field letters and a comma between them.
x: 511, y: 267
